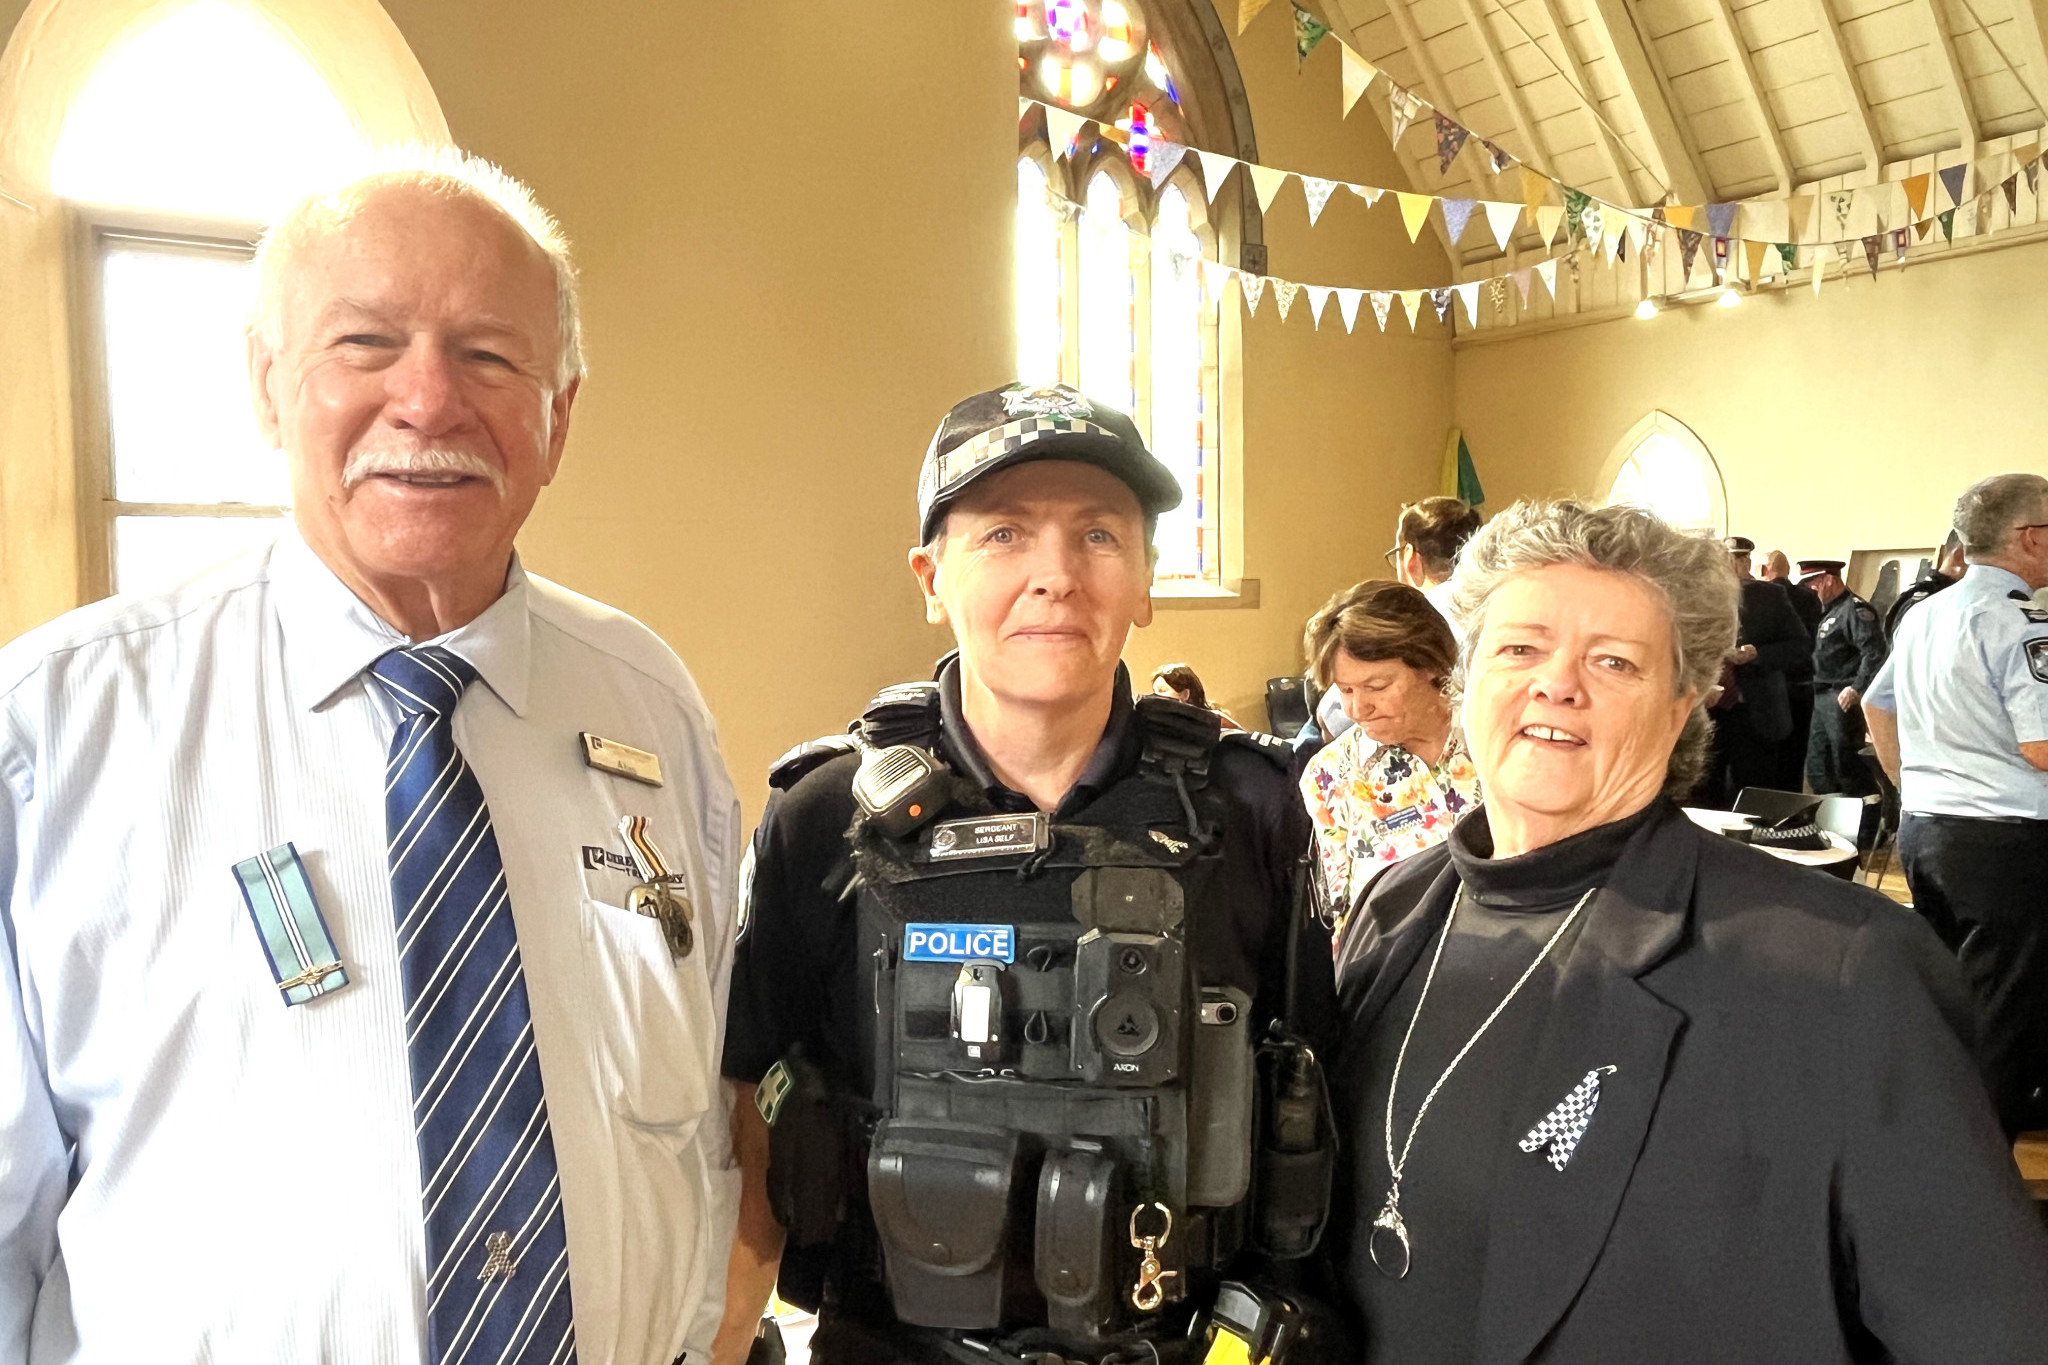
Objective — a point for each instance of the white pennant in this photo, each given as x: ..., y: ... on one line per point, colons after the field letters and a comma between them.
x: 1318, y: 299
x: 1266, y: 182
x: 1216, y: 169
x: 1547, y: 272
x: 1062, y: 126
x: 1318, y: 192
x: 1469, y: 295
x: 1347, y: 304
x: 1369, y: 193
x: 1502, y: 218
x: 1285, y: 291
x: 1382, y: 301
x: 1254, y: 287
x: 1215, y: 278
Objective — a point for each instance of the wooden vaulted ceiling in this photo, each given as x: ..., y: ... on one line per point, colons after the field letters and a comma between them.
x: 1644, y: 102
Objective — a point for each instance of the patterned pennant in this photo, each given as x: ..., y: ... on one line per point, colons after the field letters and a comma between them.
x: 1308, y: 31
x: 1468, y: 294
x: 1411, y: 304
x: 1720, y: 259
x: 1575, y: 205
x: 1414, y: 211
x: 1721, y: 219
x: 1164, y: 157
x: 1547, y: 272
x: 1497, y: 293
x: 1450, y: 140
x: 1980, y: 212
x: 2012, y: 194
x: 1841, y: 201
x: 1358, y: 74
x: 1502, y: 218
x: 1916, y: 187
x: 1254, y: 287
x: 1266, y: 182
x: 1789, y: 254
x: 1524, y: 280
x: 1404, y: 107
x: 1347, y: 304
x: 1285, y: 291
x: 1440, y: 299
x: 1564, y: 1127
x: 2033, y: 171
x: 1952, y: 181
x: 1899, y: 240
x: 1571, y: 263
x: 1216, y: 169
x: 1688, y: 248
x: 1457, y: 213
x: 1496, y: 157
x: 1318, y: 193
x: 1947, y: 219
x: 1381, y: 302
x: 1871, y: 247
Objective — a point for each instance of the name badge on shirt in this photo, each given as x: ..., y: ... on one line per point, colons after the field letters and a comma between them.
x: 621, y: 760
x: 989, y: 836
x: 1406, y: 818
x: 303, y: 961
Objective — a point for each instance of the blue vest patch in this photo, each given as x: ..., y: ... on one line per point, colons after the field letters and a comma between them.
x: 959, y: 943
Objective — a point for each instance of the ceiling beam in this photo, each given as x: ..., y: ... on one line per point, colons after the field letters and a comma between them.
x: 1753, y: 93
x: 2027, y: 26
x: 1673, y: 157
x: 1536, y: 153
x: 1868, y: 141
x: 1950, y: 72
x: 1575, y: 71
x: 1432, y: 86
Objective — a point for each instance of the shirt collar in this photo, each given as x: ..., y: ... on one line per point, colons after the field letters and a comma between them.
x: 331, y: 636
x: 1114, y: 755
x: 1996, y: 582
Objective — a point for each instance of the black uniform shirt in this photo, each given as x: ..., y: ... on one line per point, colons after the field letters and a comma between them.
x: 1506, y: 913
x: 1849, y: 647
x: 795, y: 976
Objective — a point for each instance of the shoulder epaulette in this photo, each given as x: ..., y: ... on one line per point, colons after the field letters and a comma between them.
x: 1270, y: 747
x: 1178, y: 738
x: 787, y: 771
x: 907, y: 713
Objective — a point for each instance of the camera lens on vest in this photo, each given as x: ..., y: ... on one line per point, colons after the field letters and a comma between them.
x: 1127, y: 1026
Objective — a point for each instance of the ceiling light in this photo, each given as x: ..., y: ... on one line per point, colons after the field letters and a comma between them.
x: 1729, y: 298
x: 1646, y: 310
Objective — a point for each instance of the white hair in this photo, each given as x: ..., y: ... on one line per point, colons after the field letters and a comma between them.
x: 441, y: 170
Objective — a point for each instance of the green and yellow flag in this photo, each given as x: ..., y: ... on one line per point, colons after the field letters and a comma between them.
x: 1460, y: 475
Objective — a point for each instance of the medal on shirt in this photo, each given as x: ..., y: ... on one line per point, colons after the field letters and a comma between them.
x: 661, y: 895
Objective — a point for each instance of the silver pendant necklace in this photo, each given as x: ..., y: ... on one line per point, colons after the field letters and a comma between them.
x: 1388, y: 1243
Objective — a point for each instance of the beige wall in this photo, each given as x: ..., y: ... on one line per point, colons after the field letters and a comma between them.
x: 1843, y: 422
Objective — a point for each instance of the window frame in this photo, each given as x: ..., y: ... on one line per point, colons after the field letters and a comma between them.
x: 96, y: 507
x: 1661, y: 423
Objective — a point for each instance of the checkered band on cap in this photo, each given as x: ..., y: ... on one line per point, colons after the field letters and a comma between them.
x: 942, y: 470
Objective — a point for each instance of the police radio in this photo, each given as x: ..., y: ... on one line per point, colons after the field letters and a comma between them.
x: 899, y: 787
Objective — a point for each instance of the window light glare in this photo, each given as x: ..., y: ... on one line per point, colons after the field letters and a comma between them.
x: 1114, y: 50
x: 1647, y: 309
x: 1729, y: 298
x: 1087, y: 83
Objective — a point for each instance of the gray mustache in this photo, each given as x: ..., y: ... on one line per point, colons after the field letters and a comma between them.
x: 433, y: 460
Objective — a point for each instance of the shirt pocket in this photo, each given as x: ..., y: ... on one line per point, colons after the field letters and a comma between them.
x: 655, y: 1019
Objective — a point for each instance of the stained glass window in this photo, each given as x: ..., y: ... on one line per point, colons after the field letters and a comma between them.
x: 1109, y: 343
x: 1038, y: 278
x: 1177, y: 380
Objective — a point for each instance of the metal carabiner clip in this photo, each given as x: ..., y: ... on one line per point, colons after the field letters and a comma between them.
x: 1149, y: 1293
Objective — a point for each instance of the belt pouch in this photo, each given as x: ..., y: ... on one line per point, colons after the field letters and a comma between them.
x: 941, y: 1196
x: 1072, y: 1253
x: 1220, y: 1102
x: 807, y: 1157
x: 1297, y: 1158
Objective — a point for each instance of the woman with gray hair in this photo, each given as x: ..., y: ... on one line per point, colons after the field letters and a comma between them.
x: 1618, y: 1089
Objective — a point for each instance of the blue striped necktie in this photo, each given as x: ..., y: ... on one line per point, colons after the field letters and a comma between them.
x: 497, y: 1256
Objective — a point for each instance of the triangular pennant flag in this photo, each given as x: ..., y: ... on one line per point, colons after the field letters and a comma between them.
x: 1308, y: 31
x: 1440, y: 299
x: 1688, y: 247
x: 1576, y: 203
x: 1215, y: 278
x: 1916, y: 187
x: 1547, y: 272
x: 1450, y: 140
x: 1358, y: 74
x: 1682, y: 216
x: 2012, y: 194
x: 1381, y: 302
x: 1947, y: 219
x: 1613, y: 229
x: 1720, y: 259
x: 1062, y: 126
x: 1404, y: 105
x: 1721, y: 219
x: 1216, y: 169
x: 1524, y: 279
x: 1899, y: 240
x: 1457, y: 213
x: 1620, y: 241
x: 1548, y: 216
x: 1638, y: 231
x: 1923, y: 228
x: 1347, y: 304
x: 2033, y: 170
x: 1496, y: 156
x: 1841, y: 200
x: 1753, y: 256
x: 1285, y: 292
x: 1266, y: 182
x: 1318, y: 193
x: 1248, y: 10
x: 1414, y: 211
x: 1502, y: 218
x: 1254, y: 287
x: 1369, y: 193
x: 1820, y: 267
x: 1535, y: 188
x: 2023, y: 153
x: 1469, y: 294
x: 1162, y: 160
x: 1024, y: 103
x: 1798, y: 210
x: 1980, y: 212
x: 1497, y: 291
x: 1952, y: 181
x: 1789, y: 254
x: 1411, y: 303
x: 1318, y: 299
x: 1871, y: 246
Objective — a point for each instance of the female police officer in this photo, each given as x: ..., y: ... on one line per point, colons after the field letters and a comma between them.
x: 1011, y: 945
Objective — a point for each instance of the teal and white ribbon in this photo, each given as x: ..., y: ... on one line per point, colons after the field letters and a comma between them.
x: 288, y: 920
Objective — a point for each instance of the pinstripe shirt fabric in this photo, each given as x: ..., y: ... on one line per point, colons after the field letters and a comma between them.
x: 192, y: 1171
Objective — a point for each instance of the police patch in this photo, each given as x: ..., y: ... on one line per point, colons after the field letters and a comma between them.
x: 2037, y: 658
x: 959, y: 943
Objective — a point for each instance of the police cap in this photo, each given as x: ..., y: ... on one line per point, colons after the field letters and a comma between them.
x: 1740, y: 545
x: 1019, y: 423
x: 1808, y: 567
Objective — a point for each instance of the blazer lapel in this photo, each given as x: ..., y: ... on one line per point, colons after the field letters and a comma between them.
x: 1547, y: 1226
x: 1366, y: 985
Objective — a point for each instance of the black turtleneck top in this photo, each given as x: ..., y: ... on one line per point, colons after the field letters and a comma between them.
x: 1505, y: 913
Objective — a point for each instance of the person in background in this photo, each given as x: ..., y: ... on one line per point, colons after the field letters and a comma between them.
x: 1946, y: 571
x: 1778, y: 569
x: 1394, y: 783
x: 1615, y: 1089
x: 1182, y: 683
x: 1959, y: 718
x: 1848, y: 649
x: 1799, y: 688
x: 1754, y: 716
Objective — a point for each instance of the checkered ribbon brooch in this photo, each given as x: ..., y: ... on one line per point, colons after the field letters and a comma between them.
x: 1563, y: 1127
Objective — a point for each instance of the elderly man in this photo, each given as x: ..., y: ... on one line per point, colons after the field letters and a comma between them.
x: 1959, y: 718
x: 984, y: 932
x: 330, y: 1033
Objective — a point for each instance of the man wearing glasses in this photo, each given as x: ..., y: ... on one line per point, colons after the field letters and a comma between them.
x: 1959, y: 716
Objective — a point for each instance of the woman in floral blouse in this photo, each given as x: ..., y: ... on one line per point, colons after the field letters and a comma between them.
x: 1397, y: 780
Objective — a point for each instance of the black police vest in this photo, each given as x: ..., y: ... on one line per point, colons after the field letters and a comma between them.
x: 1054, y: 1081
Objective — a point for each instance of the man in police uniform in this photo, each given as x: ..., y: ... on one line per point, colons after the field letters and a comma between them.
x: 1037, y: 509
x: 1946, y: 573
x: 1959, y: 717
x: 1848, y: 649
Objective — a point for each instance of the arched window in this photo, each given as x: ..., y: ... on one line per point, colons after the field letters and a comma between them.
x: 1179, y: 375
x: 1663, y: 467
x: 1109, y: 305
x: 1038, y: 277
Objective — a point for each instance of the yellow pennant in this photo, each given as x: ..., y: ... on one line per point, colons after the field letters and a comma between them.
x: 1266, y: 180
x: 1753, y: 253
x: 1548, y: 216
x: 1414, y: 212
x: 1411, y: 300
x: 1535, y: 188
x: 1358, y: 74
x: 1916, y: 192
x: 1682, y: 215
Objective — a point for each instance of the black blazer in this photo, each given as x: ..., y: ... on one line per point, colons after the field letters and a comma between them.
x: 1795, y: 1160
x: 1784, y: 650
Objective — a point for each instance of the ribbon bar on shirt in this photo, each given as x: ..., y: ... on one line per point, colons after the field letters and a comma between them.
x: 288, y: 920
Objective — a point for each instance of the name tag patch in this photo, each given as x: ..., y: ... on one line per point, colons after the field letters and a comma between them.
x: 959, y: 943
x: 988, y: 836
x: 1405, y: 818
x: 596, y: 859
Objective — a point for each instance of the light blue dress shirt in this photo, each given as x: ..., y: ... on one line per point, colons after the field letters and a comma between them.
x: 190, y: 1170
x: 1968, y: 681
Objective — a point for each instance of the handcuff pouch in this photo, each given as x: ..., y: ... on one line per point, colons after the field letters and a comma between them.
x: 943, y: 1197
x: 1073, y: 1247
